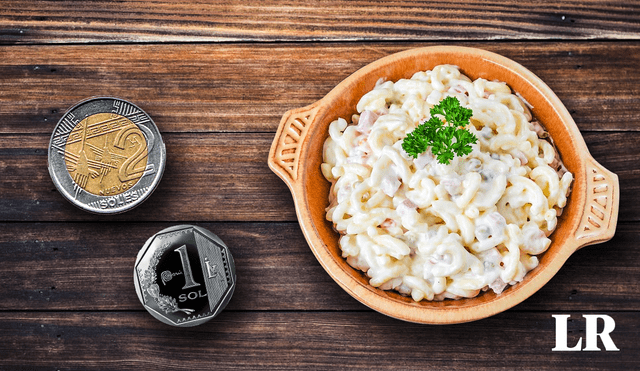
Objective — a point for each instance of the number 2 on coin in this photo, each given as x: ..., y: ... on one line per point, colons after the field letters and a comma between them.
x: 128, y: 171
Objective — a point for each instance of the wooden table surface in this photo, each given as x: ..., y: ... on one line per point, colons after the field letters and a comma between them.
x: 216, y: 77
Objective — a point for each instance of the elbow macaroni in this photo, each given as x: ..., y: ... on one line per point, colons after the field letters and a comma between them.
x: 435, y: 231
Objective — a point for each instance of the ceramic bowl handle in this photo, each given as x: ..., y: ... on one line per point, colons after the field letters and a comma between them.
x: 598, y: 223
x: 284, y: 156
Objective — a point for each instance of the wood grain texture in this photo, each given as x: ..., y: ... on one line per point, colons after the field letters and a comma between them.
x: 248, y: 87
x: 55, y: 266
x: 320, y: 340
x: 221, y: 177
x: 276, y: 20
x: 217, y: 76
x: 224, y: 177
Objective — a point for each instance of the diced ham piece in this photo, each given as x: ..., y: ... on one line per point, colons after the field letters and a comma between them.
x: 423, y: 160
x: 390, y: 185
x: 405, y: 206
x: 539, y: 129
x: 521, y: 156
x: 389, y: 223
x: 453, y: 185
x: 498, y: 286
x: 366, y: 121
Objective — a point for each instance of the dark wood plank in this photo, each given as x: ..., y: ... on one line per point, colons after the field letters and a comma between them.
x: 277, y: 340
x: 89, y: 266
x: 208, y: 177
x: 619, y: 152
x: 276, y: 20
x: 248, y: 87
x: 225, y: 177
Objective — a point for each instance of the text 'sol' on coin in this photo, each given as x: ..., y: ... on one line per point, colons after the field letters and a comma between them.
x: 184, y: 275
x: 106, y: 155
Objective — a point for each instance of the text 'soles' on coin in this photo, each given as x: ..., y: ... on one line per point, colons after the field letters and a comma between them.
x: 184, y: 275
x: 106, y: 155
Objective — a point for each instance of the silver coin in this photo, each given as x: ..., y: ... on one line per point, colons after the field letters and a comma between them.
x: 106, y: 155
x: 184, y: 275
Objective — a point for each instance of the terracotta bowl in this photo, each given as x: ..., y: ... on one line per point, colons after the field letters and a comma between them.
x: 296, y: 154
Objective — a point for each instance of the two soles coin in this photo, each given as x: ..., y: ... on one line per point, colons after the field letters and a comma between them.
x: 106, y: 155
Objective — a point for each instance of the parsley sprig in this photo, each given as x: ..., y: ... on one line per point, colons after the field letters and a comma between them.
x: 445, y: 140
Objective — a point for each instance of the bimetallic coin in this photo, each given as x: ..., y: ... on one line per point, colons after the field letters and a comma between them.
x: 184, y: 275
x: 106, y: 155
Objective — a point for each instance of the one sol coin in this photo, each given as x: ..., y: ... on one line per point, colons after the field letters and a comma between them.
x: 184, y: 275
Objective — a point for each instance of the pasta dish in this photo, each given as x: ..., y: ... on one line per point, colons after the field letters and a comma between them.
x: 443, y: 231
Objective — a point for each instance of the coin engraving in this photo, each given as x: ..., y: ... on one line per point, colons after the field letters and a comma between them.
x: 151, y: 288
x: 184, y: 275
x: 186, y: 266
x: 194, y: 317
x: 106, y: 155
x: 168, y: 276
x: 120, y: 200
x: 212, y: 272
x: 212, y: 255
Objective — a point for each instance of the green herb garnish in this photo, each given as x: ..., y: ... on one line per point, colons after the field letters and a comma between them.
x: 447, y: 139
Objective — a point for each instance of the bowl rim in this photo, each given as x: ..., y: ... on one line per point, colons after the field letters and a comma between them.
x: 290, y: 167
